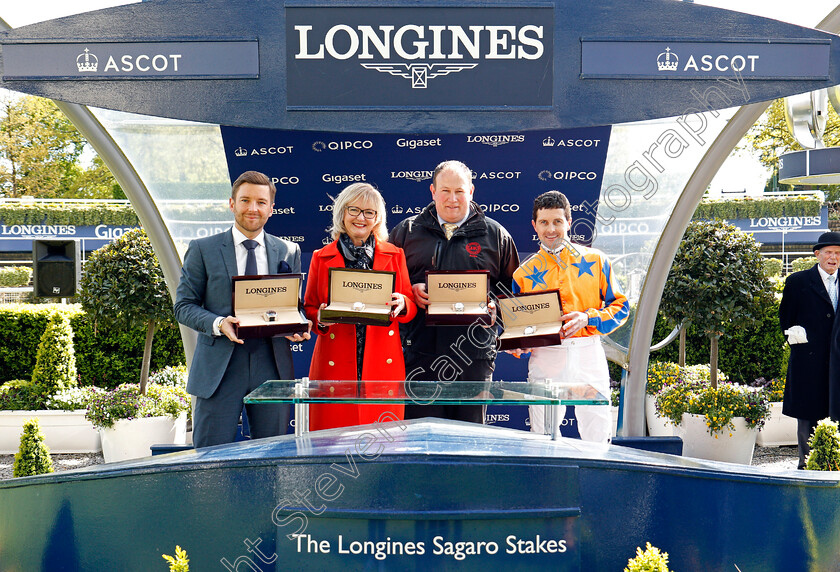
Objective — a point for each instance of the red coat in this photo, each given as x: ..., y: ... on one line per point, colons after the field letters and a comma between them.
x: 334, y: 357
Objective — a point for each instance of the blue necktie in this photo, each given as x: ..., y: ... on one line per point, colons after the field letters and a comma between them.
x: 832, y: 289
x: 251, y: 261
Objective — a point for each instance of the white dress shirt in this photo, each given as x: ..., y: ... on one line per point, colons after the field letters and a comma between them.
x: 241, y: 258
x: 242, y: 252
x: 828, y: 285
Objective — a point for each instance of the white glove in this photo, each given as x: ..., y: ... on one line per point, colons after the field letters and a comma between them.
x: 796, y: 335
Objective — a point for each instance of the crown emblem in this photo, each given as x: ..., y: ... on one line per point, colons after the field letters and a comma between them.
x: 326, y: 240
x: 87, y: 62
x: 396, y: 209
x: 667, y: 61
x: 241, y: 152
x: 548, y: 141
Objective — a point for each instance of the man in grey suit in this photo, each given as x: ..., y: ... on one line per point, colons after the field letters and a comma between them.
x: 224, y: 368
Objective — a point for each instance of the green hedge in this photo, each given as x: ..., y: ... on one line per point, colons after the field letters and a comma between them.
x: 106, y: 358
x: 79, y: 214
x: 15, y: 276
x: 744, y: 356
x: 755, y: 208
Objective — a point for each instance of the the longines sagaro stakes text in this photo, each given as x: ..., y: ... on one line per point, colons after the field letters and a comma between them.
x: 328, y: 487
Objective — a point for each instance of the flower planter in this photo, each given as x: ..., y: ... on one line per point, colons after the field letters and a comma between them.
x: 657, y: 426
x: 133, y: 438
x: 778, y: 429
x: 614, y: 412
x: 64, y: 431
x: 698, y: 443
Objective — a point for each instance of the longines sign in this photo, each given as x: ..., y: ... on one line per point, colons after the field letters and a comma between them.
x: 131, y: 60
x: 345, y: 57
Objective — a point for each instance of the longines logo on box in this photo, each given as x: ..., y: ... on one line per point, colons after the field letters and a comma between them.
x: 458, y: 286
x: 361, y: 286
x: 495, y: 140
x: 396, y: 55
x: 265, y: 292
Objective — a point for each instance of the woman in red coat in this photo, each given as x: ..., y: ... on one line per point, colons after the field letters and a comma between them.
x: 349, y: 352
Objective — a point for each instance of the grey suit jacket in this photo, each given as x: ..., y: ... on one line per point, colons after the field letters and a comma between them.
x: 204, y: 293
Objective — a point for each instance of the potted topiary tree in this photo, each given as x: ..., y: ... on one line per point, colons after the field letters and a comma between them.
x: 123, y: 283
x: 717, y: 282
x: 33, y: 456
x: 651, y: 560
x: 63, y: 421
x: 825, y: 448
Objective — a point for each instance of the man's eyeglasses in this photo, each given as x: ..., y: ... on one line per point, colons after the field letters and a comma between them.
x: 369, y: 214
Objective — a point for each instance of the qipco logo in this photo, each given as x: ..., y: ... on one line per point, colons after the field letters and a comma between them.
x: 320, y: 146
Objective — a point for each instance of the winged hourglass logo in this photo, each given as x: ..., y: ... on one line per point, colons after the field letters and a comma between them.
x: 419, y: 74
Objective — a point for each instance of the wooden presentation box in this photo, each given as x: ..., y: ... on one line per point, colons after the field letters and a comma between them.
x: 255, y: 297
x: 531, y: 320
x: 457, y: 298
x: 359, y: 297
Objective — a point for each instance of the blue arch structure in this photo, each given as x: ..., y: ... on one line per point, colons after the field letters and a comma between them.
x: 514, y: 499
x: 587, y: 55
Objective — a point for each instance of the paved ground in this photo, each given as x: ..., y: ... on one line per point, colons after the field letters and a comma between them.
x: 773, y: 458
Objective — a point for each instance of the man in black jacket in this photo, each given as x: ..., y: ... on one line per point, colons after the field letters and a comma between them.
x: 807, y: 315
x: 452, y: 233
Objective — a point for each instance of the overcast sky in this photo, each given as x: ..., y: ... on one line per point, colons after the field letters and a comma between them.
x: 738, y: 172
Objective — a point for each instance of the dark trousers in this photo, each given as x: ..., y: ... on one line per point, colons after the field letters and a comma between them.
x: 804, y: 430
x: 430, y: 369
x: 216, y: 418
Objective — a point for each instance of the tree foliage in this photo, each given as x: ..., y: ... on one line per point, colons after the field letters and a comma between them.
x: 717, y: 281
x: 41, y: 154
x: 825, y: 448
x: 33, y: 456
x: 55, y: 364
x: 123, y: 284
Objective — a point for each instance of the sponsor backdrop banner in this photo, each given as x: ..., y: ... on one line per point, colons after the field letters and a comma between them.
x: 19, y: 237
x: 785, y: 229
x: 310, y: 168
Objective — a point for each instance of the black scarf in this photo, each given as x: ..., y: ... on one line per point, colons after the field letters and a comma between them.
x: 359, y: 258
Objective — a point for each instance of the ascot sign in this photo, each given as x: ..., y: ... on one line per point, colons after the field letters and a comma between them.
x: 418, y: 45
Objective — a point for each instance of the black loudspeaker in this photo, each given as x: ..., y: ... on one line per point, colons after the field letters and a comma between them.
x: 56, y: 268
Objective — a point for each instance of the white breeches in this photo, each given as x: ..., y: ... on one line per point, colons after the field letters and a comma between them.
x: 577, y: 360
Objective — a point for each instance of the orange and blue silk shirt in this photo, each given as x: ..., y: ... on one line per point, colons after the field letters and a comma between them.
x: 586, y: 283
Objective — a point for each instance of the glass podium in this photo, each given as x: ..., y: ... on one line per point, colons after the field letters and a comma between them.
x: 303, y: 392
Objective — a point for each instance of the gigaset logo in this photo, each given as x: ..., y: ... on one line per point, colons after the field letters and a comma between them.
x: 438, y: 45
